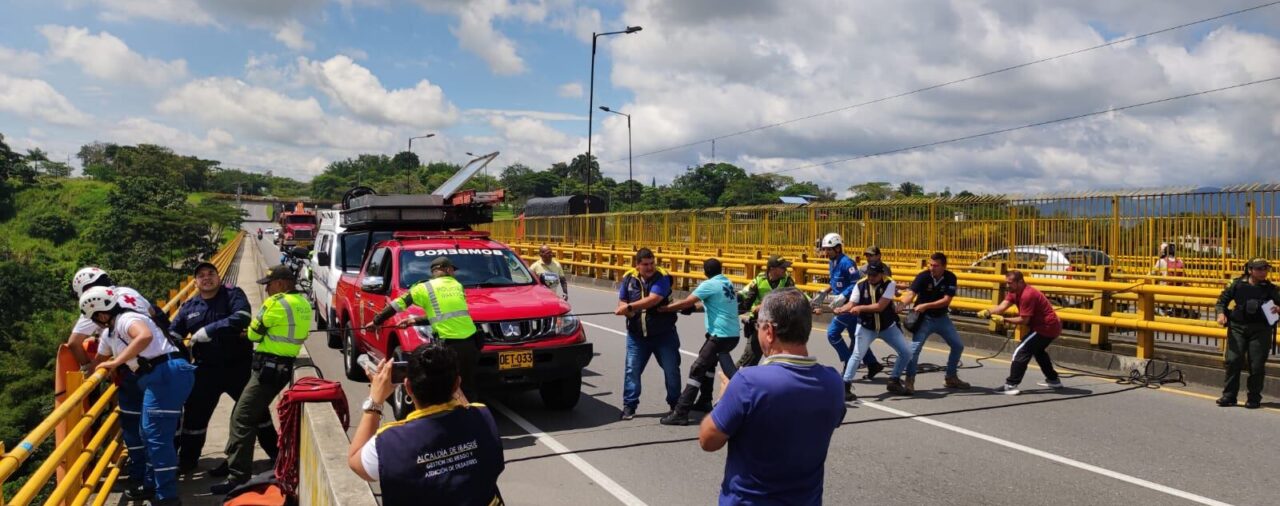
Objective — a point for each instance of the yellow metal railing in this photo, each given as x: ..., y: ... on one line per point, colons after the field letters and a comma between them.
x: 72, y: 455
x: 1214, y: 232
x: 1145, y: 293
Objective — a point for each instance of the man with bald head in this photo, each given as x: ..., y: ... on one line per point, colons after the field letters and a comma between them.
x: 549, y: 271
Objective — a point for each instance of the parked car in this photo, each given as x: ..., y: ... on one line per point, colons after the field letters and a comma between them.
x: 1049, y: 258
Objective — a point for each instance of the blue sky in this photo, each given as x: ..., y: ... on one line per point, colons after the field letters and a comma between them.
x: 291, y: 85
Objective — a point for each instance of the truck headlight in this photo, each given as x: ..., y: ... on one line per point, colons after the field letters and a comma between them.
x: 567, y: 325
x: 424, y: 332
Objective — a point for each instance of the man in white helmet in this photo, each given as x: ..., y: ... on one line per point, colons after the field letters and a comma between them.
x: 162, y: 379
x: 843, y: 274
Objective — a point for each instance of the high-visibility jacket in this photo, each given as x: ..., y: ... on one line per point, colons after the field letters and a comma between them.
x: 282, y: 325
x: 445, y: 303
x: 755, y: 291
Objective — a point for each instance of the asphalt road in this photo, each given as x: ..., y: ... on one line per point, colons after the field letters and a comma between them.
x: 1094, y: 442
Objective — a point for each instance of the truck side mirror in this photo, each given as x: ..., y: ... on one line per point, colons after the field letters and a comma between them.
x: 323, y: 258
x: 373, y: 284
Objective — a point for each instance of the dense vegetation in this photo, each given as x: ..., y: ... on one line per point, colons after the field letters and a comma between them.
x: 131, y: 216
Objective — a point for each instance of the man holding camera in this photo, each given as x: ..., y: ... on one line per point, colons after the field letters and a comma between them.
x: 446, y: 452
x: 444, y: 306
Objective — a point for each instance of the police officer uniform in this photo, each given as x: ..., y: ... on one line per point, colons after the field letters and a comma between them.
x: 751, y: 296
x: 444, y: 303
x: 441, y: 454
x: 223, y: 365
x: 1249, y: 333
x: 280, y: 329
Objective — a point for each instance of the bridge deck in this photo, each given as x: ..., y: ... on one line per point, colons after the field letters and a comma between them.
x: 1094, y: 442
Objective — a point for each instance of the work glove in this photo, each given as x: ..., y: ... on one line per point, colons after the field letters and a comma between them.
x: 201, y: 336
x: 984, y: 314
x: 997, y: 318
x: 687, y: 311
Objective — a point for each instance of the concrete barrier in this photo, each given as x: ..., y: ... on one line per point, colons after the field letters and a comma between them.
x: 323, y: 476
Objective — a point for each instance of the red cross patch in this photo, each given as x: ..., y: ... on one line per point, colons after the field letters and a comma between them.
x: 130, y: 300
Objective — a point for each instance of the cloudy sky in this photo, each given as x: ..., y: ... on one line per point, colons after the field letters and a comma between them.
x: 290, y: 85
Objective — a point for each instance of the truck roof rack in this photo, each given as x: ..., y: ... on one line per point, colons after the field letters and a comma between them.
x: 444, y: 209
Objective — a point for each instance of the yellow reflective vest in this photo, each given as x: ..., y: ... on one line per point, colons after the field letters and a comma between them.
x: 445, y: 304
x: 282, y: 325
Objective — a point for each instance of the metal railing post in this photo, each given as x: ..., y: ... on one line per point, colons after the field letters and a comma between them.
x: 1099, y: 335
x: 1145, y: 336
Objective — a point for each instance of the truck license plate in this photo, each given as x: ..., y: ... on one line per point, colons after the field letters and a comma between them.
x: 519, y: 359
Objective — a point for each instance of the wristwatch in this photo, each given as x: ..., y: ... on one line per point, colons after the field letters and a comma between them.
x: 371, y: 407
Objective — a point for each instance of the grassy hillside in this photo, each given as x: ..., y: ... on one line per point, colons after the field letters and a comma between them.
x: 49, y: 220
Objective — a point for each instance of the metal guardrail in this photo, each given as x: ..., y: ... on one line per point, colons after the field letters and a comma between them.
x: 1213, y: 231
x: 1146, y: 293
x: 80, y: 437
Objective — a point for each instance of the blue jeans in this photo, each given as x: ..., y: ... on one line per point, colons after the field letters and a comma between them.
x: 835, y: 336
x: 891, y: 336
x: 129, y: 397
x: 164, y: 390
x: 942, y: 326
x: 667, y: 349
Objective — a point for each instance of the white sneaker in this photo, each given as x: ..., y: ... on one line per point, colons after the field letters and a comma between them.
x: 1051, y: 384
x: 1008, y: 389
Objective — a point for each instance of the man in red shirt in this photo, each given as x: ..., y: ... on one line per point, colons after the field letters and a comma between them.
x: 1034, y: 311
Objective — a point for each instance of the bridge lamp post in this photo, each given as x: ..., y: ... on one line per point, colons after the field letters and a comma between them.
x: 591, y: 97
x: 407, y: 178
x: 631, y: 198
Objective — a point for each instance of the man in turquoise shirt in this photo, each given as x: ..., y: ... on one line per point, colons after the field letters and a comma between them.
x: 720, y: 301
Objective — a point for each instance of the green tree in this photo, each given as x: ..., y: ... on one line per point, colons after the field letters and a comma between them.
x: 909, y: 189
x: 871, y: 191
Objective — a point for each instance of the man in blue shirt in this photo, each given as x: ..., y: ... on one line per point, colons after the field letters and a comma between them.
x: 932, y: 292
x: 643, y: 290
x: 843, y: 273
x: 721, y: 303
x: 778, y: 417
x: 216, y: 321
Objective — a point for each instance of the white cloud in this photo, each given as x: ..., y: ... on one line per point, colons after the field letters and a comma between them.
x: 570, y: 90
x: 251, y: 111
x: 106, y: 57
x: 292, y: 35
x: 517, y: 113
x: 174, y: 11
x: 354, y: 53
x: 361, y: 93
x: 34, y: 99
x: 135, y: 130
x: 19, y: 62
x: 711, y: 71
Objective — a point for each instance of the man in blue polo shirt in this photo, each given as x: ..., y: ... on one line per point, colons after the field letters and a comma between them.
x: 778, y: 417
x: 643, y: 291
x: 446, y: 452
x: 721, y: 303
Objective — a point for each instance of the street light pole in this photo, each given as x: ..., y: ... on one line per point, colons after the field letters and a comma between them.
x: 631, y: 193
x: 591, y: 98
x: 408, y: 180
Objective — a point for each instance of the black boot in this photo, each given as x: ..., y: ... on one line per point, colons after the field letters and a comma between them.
x: 675, y: 417
x: 849, y: 396
x: 873, y: 369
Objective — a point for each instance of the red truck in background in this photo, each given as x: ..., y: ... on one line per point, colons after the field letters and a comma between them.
x: 531, y: 339
x: 297, y: 228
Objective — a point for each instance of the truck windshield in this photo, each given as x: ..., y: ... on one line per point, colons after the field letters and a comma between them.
x: 301, y: 220
x: 475, y: 267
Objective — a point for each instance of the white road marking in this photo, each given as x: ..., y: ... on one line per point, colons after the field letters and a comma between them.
x: 600, y: 478
x: 1022, y: 448
x: 624, y: 334
x: 1050, y: 456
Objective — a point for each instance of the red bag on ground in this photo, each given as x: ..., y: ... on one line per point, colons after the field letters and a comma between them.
x: 290, y: 412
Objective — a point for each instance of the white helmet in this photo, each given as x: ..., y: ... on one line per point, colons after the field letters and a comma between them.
x: 831, y: 240
x: 98, y: 298
x: 84, y: 277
